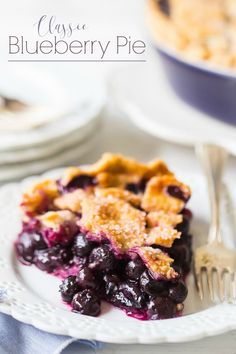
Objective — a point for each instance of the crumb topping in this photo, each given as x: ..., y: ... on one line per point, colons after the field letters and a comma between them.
x: 156, y: 198
x: 162, y: 236
x: 38, y: 198
x: 114, y: 170
x: 107, y: 180
x: 119, y: 193
x: 156, y: 168
x: 71, y: 200
x: 55, y: 219
x: 117, y: 164
x: 158, y: 262
x: 161, y: 218
x: 69, y: 174
x: 114, y: 219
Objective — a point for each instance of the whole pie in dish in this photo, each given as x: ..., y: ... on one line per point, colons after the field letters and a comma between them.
x: 198, y: 29
x: 117, y: 230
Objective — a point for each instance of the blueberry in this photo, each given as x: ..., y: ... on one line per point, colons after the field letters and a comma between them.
x: 82, y: 247
x: 87, y: 303
x: 181, y: 254
x: 120, y: 267
x: 152, y: 286
x: 132, y: 187
x: 178, y: 292
x: 102, y: 259
x: 164, y: 6
x: 50, y: 259
x: 188, y: 242
x: 46, y: 260
x: 136, y: 187
x: 27, y: 244
x: 142, y: 184
x: 31, y: 226
x: 178, y: 270
x: 183, y: 227
x: 132, y: 291
x: 187, y: 213
x: 80, y: 261
x: 63, y: 236
x: 111, y: 284
x: 120, y: 300
x: 86, y: 278
x: 64, y: 255
x: 68, y: 288
x: 176, y: 192
x: 82, y: 181
x: 134, y: 268
x: 161, y: 308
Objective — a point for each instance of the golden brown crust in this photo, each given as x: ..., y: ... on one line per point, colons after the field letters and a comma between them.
x: 71, y: 200
x: 39, y: 196
x: 119, y: 193
x: 69, y: 174
x: 156, y: 168
x: 117, y: 164
x: 114, y: 170
x: 156, y: 198
x: 158, y: 262
x: 162, y: 236
x: 109, y: 164
x: 108, y: 211
x: 162, y: 218
x: 120, y: 222
x: 107, y: 180
x: 55, y: 219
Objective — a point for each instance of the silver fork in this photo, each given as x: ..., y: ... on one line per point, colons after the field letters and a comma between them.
x: 215, y: 262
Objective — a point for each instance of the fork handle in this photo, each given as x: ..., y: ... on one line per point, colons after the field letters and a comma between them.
x: 213, y: 159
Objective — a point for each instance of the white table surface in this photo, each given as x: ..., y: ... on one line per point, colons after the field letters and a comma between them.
x: 117, y: 133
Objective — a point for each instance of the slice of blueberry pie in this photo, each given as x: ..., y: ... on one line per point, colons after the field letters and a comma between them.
x: 117, y: 231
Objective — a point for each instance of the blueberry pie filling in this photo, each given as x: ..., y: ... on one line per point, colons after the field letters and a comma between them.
x: 117, y: 232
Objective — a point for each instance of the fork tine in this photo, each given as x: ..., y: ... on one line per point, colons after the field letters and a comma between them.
x: 226, y: 276
x: 225, y: 282
x: 209, y: 277
x: 233, y: 279
x: 232, y: 287
x: 219, y: 275
x: 198, y: 280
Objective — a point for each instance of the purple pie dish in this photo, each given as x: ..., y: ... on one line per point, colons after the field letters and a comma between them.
x: 201, y: 84
x: 212, y: 91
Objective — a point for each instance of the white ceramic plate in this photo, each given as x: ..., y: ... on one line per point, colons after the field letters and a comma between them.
x: 42, y: 93
x: 85, y: 96
x: 77, y: 137
x: 32, y: 296
x: 153, y: 106
x: 65, y: 157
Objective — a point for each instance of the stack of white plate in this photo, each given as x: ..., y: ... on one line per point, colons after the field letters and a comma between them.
x: 63, y: 111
